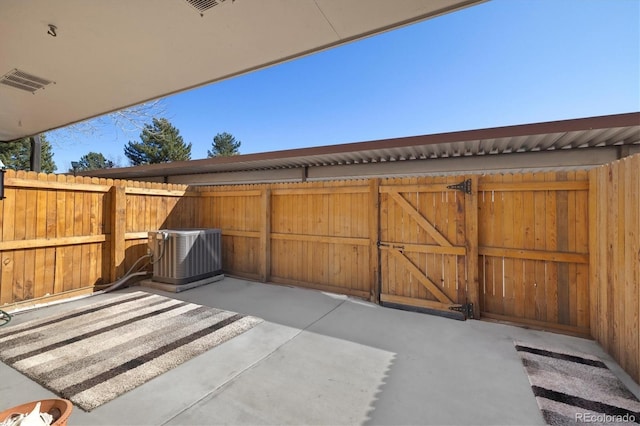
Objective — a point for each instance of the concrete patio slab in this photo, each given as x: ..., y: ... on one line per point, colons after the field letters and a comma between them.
x: 321, y: 358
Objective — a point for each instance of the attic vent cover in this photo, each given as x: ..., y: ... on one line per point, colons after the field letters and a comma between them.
x: 204, y: 5
x: 24, y: 81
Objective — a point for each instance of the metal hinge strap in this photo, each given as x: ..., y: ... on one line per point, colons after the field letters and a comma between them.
x: 465, y: 308
x: 464, y: 186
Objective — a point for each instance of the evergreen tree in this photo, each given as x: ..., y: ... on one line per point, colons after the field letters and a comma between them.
x: 224, y: 145
x: 92, y: 161
x: 160, y: 142
x: 17, y: 155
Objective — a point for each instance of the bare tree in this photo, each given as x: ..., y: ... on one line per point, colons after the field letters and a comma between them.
x: 125, y: 121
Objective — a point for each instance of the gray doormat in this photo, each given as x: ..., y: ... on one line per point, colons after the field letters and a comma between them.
x: 573, y: 388
x: 94, y: 354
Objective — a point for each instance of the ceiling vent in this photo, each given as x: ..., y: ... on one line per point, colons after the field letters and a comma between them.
x: 24, y: 81
x: 204, y: 5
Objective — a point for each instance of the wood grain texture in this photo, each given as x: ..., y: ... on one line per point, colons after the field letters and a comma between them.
x: 534, y: 246
x: 614, y: 276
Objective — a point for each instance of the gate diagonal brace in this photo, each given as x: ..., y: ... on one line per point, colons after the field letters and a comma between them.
x: 464, y: 186
x: 466, y: 309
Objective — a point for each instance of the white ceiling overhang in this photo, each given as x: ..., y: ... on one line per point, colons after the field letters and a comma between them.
x: 108, y: 55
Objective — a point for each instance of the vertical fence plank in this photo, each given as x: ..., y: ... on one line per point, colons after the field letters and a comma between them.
x: 41, y: 233
x: 621, y: 304
x: 51, y: 232
x: 410, y: 284
x: 603, y: 226
x: 529, y: 277
x: 582, y: 234
x: 631, y: 318
x: 77, y: 265
x: 612, y: 252
x: 422, y: 236
x: 393, y: 269
x: 265, y: 237
x: 508, y: 279
x: 572, y: 219
x: 313, y: 249
x: 518, y: 241
x: 494, y: 264
x: 30, y: 233
x: 19, y: 234
x: 559, y: 282
x: 594, y: 253
x: 8, y: 231
x: 383, y: 236
x: 471, y: 244
x: 303, y: 209
x: 460, y: 239
x: 374, y: 237
x: 95, y: 228
x: 483, y: 219
x: 118, y: 229
x: 540, y: 220
x: 548, y: 271
x: 441, y: 214
x: 85, y: 249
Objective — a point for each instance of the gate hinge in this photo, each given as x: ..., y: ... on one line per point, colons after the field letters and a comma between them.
x: 465, y: 308
x: 464, y: 186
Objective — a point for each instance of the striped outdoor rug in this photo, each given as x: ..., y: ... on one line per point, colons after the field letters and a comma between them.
x: 94, y: 354
x: 573, y: 388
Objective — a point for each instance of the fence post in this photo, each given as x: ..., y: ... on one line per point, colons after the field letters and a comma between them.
x: 594, y: 253
x: 118, y: 225
x: 265, y: 236
x: 471, y: 243
x: 374, y: 236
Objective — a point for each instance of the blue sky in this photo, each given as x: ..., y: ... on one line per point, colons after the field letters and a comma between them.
x: 499, y: 63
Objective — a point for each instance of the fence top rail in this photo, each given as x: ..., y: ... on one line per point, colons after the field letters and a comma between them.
x: 321, y: 190
x: 12, y: 182
x: 236, y: 193
x: 163, y: 192
x: 579, y: 185
x: 22, y: 179
x: 32, y: 180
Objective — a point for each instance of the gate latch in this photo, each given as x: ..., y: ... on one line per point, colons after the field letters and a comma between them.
x: 464, y: 186
x: 398, y: 247
x: 466, y: 309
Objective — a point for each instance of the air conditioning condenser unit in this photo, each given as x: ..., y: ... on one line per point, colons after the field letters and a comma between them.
x: 183, y: 256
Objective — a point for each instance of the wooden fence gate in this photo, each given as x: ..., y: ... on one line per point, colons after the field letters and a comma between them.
x: 427, y: 243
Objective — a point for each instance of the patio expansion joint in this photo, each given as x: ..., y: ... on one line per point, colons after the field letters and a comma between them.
x: 252, y: 365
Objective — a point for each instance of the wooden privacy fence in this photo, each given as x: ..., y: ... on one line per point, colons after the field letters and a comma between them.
x: 312, y: 235
x: 516, y: 246
x: 557, y: 250
x: 62, y: 235
x: 614, y: 279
